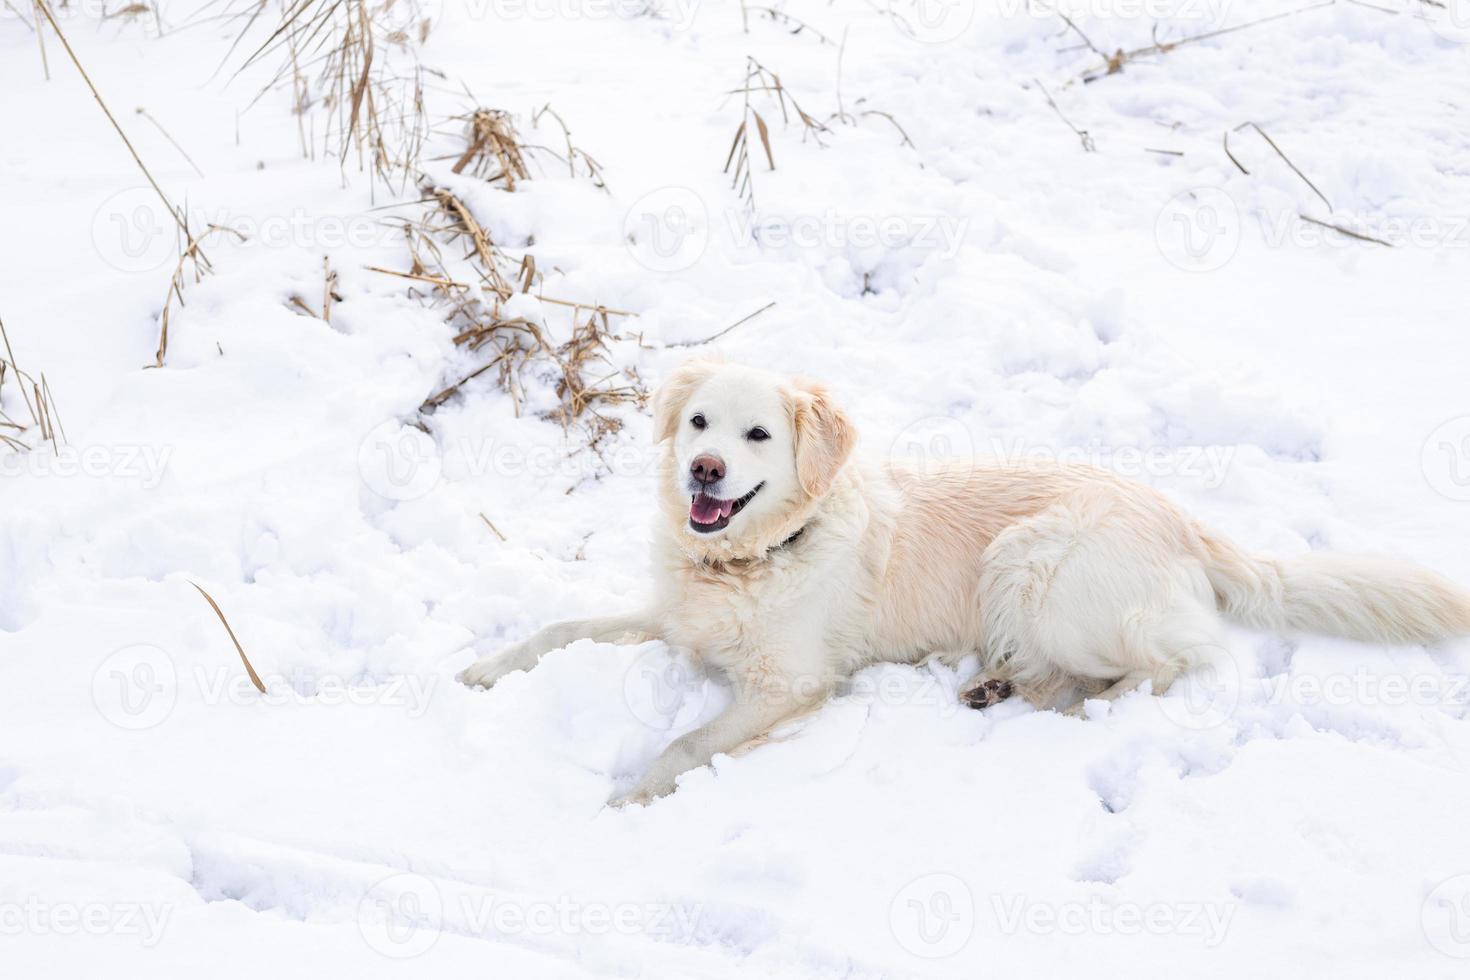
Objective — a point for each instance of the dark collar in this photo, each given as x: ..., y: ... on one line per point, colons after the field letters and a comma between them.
x: 769, y: 552
x: 787, y: 543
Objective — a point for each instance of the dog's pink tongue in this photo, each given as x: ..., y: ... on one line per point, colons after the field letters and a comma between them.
x: 704, y: 509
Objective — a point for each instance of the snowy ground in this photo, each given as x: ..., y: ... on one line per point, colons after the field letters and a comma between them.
x: 1002, y: 286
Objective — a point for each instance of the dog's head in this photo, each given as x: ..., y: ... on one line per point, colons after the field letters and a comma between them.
x: 747, y: 454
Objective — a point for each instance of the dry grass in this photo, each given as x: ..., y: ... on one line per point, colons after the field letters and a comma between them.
x: 343, y: 63
x: 760, y: 79
x: 456, y: 265
x: 254, y: 677
x: 192, y: 252
x: 341, y: 57
x: 491, y: 151
x: 1114, y: 63
x: 517, y: 349
x: 191, y: 264
x: 793, y: 25
x: 35, y: 395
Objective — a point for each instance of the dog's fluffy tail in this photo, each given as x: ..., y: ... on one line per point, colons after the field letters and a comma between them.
x: 1374, y: 599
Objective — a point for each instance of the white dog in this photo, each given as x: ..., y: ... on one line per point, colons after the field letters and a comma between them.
x: 787, y: 566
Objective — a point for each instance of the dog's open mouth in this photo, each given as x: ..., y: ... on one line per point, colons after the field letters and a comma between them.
x: 709, y: 514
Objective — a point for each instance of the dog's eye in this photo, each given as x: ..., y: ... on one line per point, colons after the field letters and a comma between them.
x: 698, y: 422
x: 757, y: 435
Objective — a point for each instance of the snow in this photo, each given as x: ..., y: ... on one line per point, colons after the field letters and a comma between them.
x: 993, y: 288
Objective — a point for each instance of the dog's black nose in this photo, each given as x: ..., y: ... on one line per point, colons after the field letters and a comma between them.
x: 707, y: 469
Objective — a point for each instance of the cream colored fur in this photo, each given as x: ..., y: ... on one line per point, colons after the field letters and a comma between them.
x: 1065, y: 579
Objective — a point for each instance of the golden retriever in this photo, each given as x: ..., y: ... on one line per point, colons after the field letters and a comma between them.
x: 787, y: 565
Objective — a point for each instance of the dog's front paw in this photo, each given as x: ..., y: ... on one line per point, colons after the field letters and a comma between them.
x: 486, y: 671
x: 645, y: 792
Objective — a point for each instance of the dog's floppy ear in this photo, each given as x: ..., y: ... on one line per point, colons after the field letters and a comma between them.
x: 824, y: 437
x: 671, y: 397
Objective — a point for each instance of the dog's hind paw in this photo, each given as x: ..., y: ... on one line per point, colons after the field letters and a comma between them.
x: 987, y: 692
